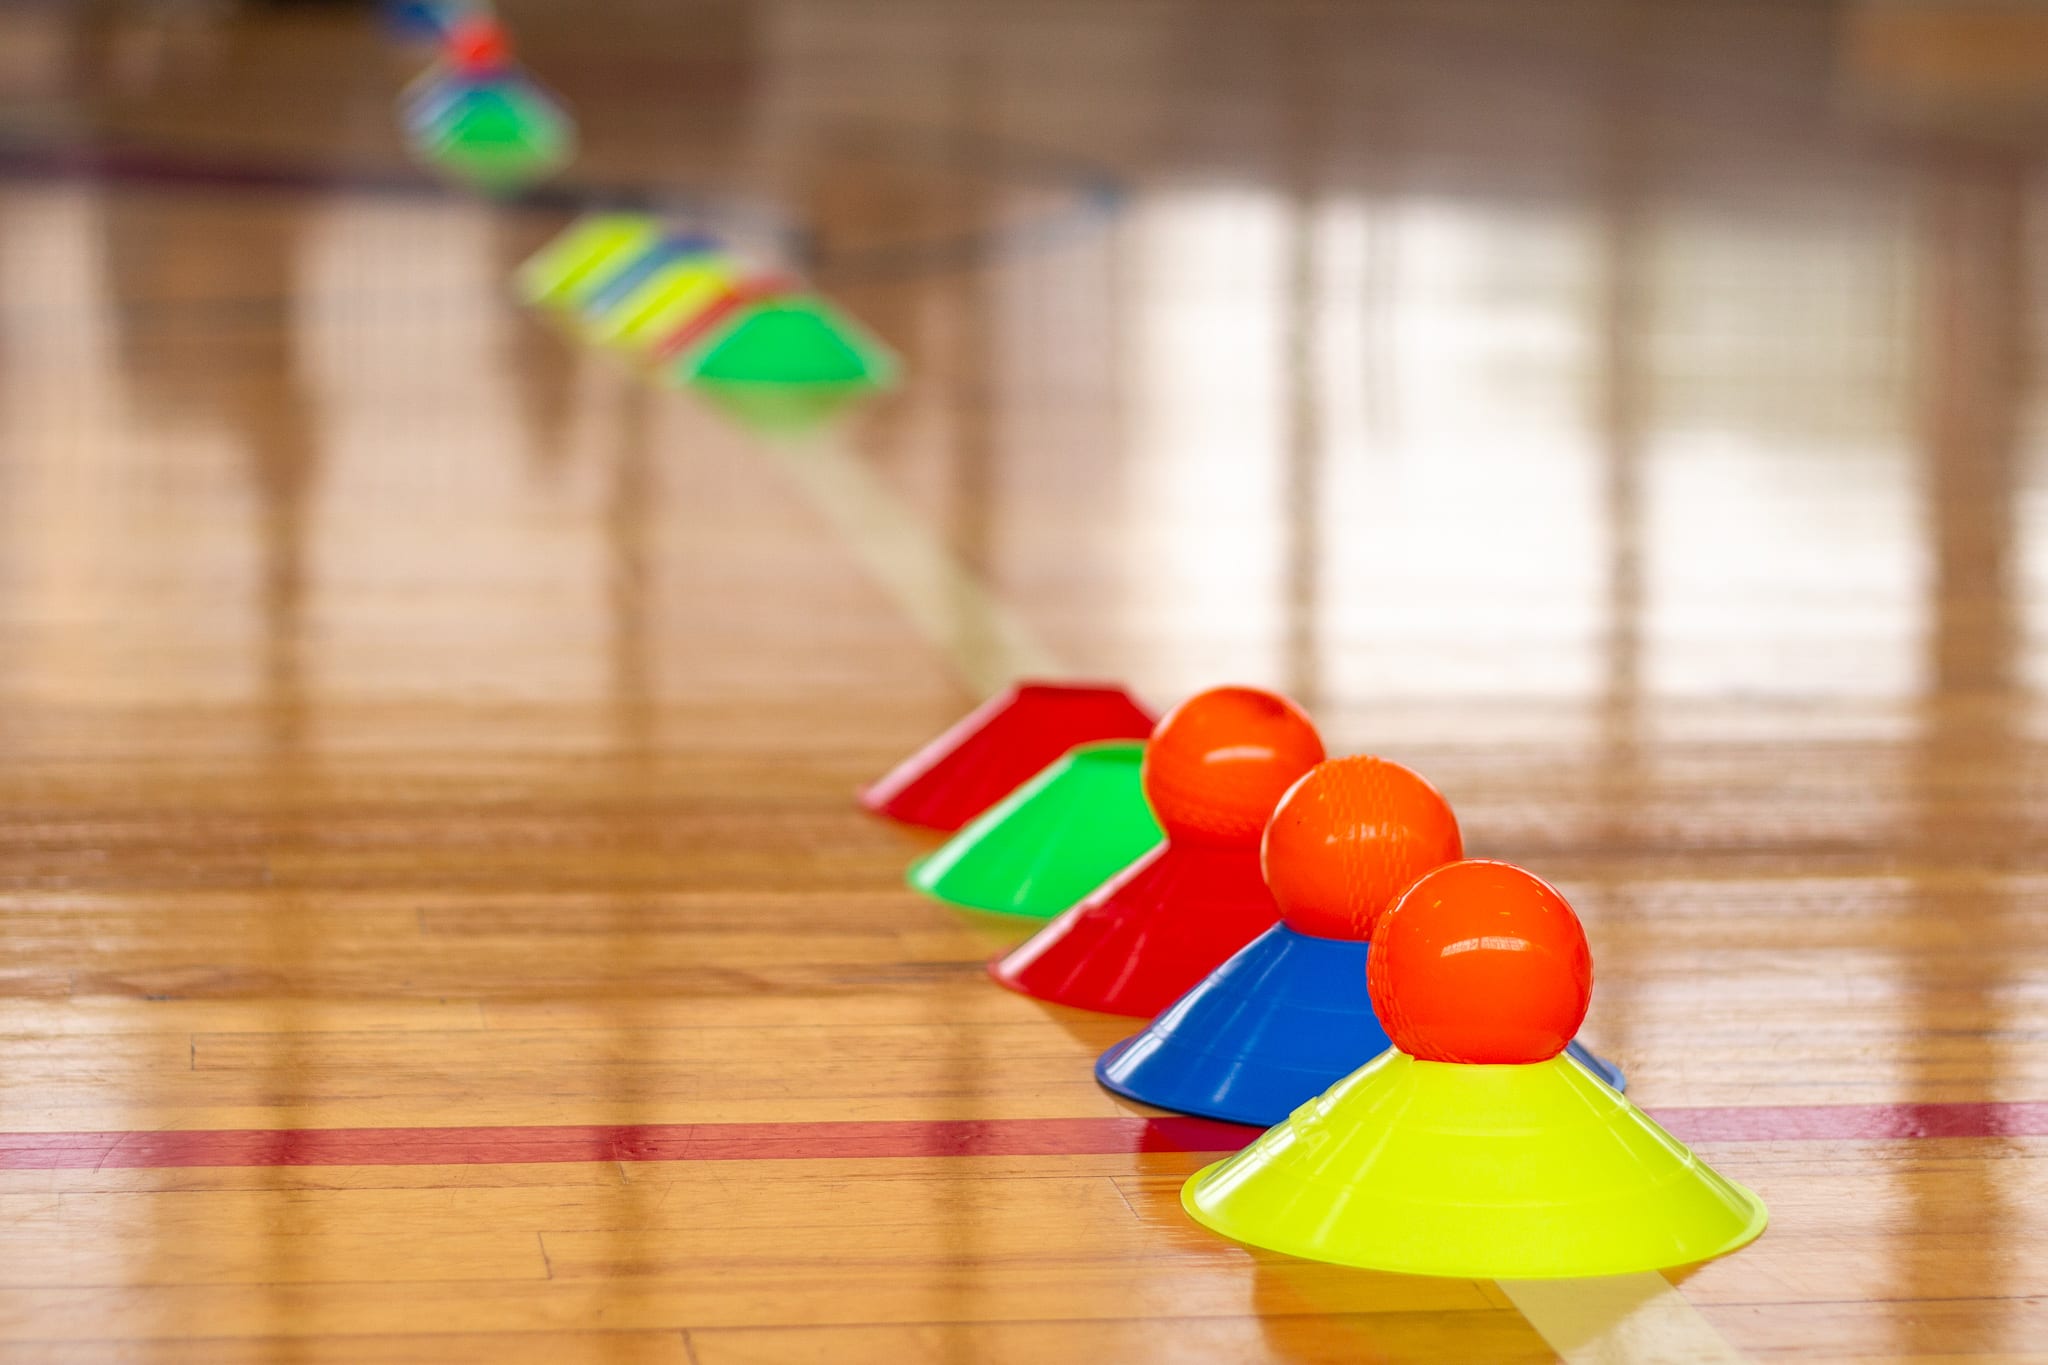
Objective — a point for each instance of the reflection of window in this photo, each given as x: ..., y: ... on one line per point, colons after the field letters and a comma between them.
x: 1207, y: 539
x: 2030, y: 549
x: 1501, y: 943
x: 104, y: 460
x: 1781, y: 532
x: 1479, y: 409
x: 1464, y: 547
x: 2032, y: 568
x: 426, y: 493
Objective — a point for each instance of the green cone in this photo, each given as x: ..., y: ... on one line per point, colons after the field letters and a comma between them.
x: 501, y: 139
x: 1050, y: 842
x: 792, y: 340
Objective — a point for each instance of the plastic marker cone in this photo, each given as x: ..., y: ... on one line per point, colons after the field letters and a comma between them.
x: 998, y: 746
x: 561, y: 273
x: 677, y: 353
x: 624, y: 290
x: 1286, y: 1018
x: 477, y: 116
x: 499, y: 135
x: 1473, y: 1148
x: 797, y: 339
x: 666, y: 299
x: 1052, y: 840
x: 474, y: 53
x: 1213, y: 772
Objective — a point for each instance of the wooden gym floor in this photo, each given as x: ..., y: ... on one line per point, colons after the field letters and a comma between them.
x: 436, y: 924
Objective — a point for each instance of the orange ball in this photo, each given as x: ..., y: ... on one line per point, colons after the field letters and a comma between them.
x: 1350, y: 837
x: 1221, y: 760
x: 477, y: 43
x: 1480, y: 962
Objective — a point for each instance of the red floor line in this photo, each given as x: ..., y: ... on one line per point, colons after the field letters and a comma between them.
x: 526, y: 1145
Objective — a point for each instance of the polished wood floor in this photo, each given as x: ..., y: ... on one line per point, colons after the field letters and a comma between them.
x: 414, y: 726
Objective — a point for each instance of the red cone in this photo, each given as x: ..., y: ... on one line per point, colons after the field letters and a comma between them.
x: 1148, y: 935
x: 1004, y: 742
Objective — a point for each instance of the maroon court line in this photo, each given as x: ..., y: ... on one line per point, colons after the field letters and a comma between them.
x: 528, y: 1145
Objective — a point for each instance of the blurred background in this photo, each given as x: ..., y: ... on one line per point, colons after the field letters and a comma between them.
x: 1674, y: 352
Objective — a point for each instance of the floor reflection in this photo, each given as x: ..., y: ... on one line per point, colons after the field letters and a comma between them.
x: 1318, y: 1315
x: 1971, y: 356
x: 251, y: 385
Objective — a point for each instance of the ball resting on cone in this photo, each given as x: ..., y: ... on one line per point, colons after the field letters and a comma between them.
x: 1221, y: 760
x: 1214, y: 768
x: 1348, y: 838
x: 1285, y: 1018
x: 1520, y: 1169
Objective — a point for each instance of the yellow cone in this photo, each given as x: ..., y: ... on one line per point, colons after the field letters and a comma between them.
x: 1476, y: 1172
x: 583, y: 256
x: 672, y: 297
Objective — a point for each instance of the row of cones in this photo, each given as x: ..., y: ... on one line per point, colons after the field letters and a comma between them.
x: 1317, y: 957
x: 476, y: 115
x: 680, y: 304
x: 690, y: 311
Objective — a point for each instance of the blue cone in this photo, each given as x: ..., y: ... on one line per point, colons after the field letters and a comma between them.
x: 1274, y: 1027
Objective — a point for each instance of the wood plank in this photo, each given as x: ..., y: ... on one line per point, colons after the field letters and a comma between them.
x: 747, y: 1297
x: 425, y: 1348
x: 1490, y: 1335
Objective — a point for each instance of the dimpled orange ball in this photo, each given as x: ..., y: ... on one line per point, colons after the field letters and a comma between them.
x: 1221, y: 760
x: 1350, y: 837
x: 1480, y: 962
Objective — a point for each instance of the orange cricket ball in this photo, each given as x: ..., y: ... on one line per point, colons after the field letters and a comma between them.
x: 1480, y: 962
x: 1348, y: 838
x: 1220, y: 761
